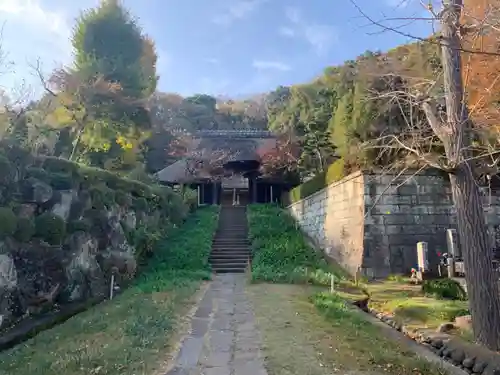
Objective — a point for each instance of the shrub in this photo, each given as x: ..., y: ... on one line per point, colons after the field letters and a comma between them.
x: 79, y: 226
x: 60, y: 165
x: 6, y: 170
x: 25, y: 229
x: 8, y: 222
x: 444, y: 289
x: 50, y: 228
x: 38, y: 173
x: 102, y: 196
x: 61, y: 180
x: 335, y: 172
x: 281, y: 253
x: 140, y: 204
x: 123, y: 199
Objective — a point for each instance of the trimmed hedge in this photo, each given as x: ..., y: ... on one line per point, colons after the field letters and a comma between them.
x: 334, y: 173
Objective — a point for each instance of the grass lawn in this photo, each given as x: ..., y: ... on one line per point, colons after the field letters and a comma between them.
x: 308, y: 332
x: 132, y: 334
x: 411, y: 307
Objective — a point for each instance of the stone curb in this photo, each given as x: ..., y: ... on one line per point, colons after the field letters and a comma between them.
x: 455, y: 354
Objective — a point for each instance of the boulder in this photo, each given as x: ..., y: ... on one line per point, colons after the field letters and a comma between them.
x: 445, y: 327
x: 130, y: 220
x: 63, y: 207
x: 84, y: 275
x: 36, y: 191
x: 8, y: 273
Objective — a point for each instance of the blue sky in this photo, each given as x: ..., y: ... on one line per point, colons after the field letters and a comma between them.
x: 220, y: 47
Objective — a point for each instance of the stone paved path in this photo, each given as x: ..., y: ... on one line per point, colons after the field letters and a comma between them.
x: 223, y: 339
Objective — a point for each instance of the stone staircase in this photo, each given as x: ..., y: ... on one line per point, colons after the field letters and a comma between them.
x: 231, y: 247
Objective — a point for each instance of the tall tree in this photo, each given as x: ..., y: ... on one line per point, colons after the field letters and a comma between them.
x: 103, y: 97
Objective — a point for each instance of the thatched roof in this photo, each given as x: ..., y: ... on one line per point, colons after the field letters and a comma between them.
x: 235, y: 145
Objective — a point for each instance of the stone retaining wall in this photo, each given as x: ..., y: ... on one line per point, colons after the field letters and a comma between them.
x: 373, y: 222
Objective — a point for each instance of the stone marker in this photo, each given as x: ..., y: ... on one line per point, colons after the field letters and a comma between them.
x: 422, y: 259
x: 452, y: 242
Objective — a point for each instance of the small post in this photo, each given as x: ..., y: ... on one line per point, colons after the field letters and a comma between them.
x: 199, y: 195
x: 112, y: 286
x: 271, y: 193
x: 332, y: 283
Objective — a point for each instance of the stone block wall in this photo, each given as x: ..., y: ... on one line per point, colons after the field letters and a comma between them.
x: 373, y: 222
x: 333, y: 217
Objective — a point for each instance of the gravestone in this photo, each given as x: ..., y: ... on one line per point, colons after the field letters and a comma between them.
x: 422, y: 256
x: 422, y: 259
x: 452, y: 243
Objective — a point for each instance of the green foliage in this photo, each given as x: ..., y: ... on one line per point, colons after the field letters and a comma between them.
x: 60, y: 165
x: 8, y: 222
x: 183, y: 255
x: 38, y: 173
x: 280, y: 252
x: 140, y: 204
x: 61, y: 181
x: 25, y: 229
x: 445, y: 289
x: 6, y: 170
x: 123, y: 199
x: 102, y: 196
x: 108, y: 40
x: 50, y: 228
x: 83, y: 225
x: 334, y: 173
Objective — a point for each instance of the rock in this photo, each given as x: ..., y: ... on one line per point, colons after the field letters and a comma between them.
x: 445, y: 327
x: 130, y: 220
x: 457, y: 356
x: 468, y: 363
x: 116, y: 235
x: 478, y: 367
x: 121, y: 263
x: 83, y: 271
x: 8, y: 273
x: 63, y: 207
x: 491, y: 369
x: 36, y: 191
x: 464, y: 322
x: 437, y: 343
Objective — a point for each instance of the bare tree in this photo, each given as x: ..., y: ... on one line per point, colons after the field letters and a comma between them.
x: 441, y: 134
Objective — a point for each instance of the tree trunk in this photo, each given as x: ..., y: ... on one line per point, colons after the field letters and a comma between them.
x: 482, y: 283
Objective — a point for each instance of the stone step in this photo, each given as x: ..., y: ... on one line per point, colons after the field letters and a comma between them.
x: 229, y: 254
x: 234, y: 253
x: 230, y: 270
x: 229, y: 262
x: 231, y: 248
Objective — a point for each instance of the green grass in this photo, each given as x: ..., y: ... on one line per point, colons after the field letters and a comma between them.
x: 410, y: 306
x: 317, y: 334
x: 367, y: 345
x: 282, y: 254
x: 131, y: 334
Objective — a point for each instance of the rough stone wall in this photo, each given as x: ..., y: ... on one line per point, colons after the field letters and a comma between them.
x: 374, y: 222
x: 401, y: 212
x: 333, y: 217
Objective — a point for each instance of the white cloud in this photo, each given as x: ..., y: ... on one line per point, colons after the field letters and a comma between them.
x: 236, y: 11
x: 271, y: 65
x: 319, y: 37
